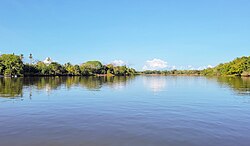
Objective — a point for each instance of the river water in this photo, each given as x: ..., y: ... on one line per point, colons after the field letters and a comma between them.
x: 125, y: 111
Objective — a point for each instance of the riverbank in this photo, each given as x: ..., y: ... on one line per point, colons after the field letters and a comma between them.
x: 171, y: 75
x: 195, y: 75
x: 111, y: 75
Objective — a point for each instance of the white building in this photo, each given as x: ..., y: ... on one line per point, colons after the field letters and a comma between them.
x: 47, y: 61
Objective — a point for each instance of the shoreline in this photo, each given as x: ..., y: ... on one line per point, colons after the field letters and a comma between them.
x: 111, y: 75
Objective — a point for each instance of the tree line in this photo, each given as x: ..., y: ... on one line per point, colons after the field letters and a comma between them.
x: 13, y: 65
x: 173, y: 72
x: 237, y: 67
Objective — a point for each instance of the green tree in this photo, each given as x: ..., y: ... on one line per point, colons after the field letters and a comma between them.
x: 30, y: 69
x: 236, y: 67
x: 91, y: 67
x: 56, y: 69
x: 11, y: 64
x: 43, y: 68
x: 77, y: 70
x: 69, y: 68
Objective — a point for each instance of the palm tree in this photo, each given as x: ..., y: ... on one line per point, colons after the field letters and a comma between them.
x: 21, y: 56
x: 31, y: 58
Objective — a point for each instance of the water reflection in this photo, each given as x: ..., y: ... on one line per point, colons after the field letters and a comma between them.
x: 155, y: 83
x: 13, y: 87
x: 240, y: 85
x: 193, y: 111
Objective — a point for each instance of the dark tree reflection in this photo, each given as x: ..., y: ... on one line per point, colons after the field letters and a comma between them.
x: 240, y: 85
x: 13, y: 87
x: 10, y: 87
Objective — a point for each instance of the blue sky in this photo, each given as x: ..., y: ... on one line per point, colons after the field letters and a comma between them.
x: 182, y: 33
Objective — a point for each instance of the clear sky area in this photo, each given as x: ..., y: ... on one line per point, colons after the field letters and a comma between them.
x: 143, y: 34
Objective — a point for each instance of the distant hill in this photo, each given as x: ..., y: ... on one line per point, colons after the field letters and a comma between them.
x: 237, y: 67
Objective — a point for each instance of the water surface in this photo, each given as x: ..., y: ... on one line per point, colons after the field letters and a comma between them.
x: 125, y: 111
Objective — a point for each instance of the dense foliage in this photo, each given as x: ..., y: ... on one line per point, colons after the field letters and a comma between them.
x: 237, y: 67
x: 11, y: 64
x: 173, y: 72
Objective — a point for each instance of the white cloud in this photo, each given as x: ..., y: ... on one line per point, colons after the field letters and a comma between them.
x: 158, y: 64
x: 201, y: 67
x: 155, y: 64
x: 118, y: 63
x: 190, y: 67
x: 209, y: 66
x: 155, y: 84
x: 205, y: 67
x: 173, y: 67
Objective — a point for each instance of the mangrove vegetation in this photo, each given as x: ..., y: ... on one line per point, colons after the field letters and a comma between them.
x: 13, y: 65
x: 237, y: 67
